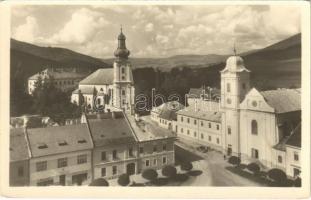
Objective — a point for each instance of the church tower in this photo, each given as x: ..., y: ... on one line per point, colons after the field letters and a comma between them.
x: 234, y: 86
x: 123, y: 84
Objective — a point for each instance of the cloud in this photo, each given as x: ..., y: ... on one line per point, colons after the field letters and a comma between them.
x: 149, y: 27
x: 83, y: 25
x: 27, y: 32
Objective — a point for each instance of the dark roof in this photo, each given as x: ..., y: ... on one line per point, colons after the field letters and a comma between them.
x: 18, y: 145
x: 75, y: 137
x: 295, y: 138
x: 110, y: 131
x: 99, y: 77
x: 168, y: 115
x: 168, y: 110
x: 283, y: 100
x: 196, y: 92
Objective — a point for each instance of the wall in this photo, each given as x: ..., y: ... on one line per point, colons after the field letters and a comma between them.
x: 17, y: 179
x: 54, y: 172
x: 290, y: 161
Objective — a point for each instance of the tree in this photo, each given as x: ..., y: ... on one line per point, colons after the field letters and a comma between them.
x: 99, y: 182
x: 234, y: 160
x: 150, y: 174
x: 277, y: 175
x: 169, y: 171
x: 253, y: 167
x: 186, y: 166
x: 124, y: 180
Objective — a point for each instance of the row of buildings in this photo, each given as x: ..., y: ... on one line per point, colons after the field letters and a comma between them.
x: 258, y: 126
x: 104, y: 145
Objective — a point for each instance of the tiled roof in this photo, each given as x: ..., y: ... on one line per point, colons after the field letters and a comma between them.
x: 213, y: 116
x: 168, y: 110
x: 110, y: 131
x: 283, y: 100
x: 18, y: 145
x: 295, y: 138
x: 99, y: 77
x: 76, y: 137
x: 58, y: 74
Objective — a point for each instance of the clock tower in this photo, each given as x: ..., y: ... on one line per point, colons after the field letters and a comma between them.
x: 123, y: 84
x: 234, y: 86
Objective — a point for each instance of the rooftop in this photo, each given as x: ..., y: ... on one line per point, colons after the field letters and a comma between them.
x: 110, y: 130
x: 58, y: 74
x: 59, y: 139
x: 18, y: 145
x: 189, y: 111
x: 283, y: 100
x: 168, y: 110
x: 99, y: 77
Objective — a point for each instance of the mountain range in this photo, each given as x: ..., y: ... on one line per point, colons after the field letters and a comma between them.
x: 280, y: 62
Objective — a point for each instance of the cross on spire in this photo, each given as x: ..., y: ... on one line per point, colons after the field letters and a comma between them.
x: 121, y: 27
x: 234, y: 49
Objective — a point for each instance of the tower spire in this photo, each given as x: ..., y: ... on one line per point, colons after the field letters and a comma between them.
x: 234, y: 49
x: 121, y: 28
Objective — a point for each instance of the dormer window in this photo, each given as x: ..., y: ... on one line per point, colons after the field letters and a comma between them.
x: 42, y: 146
x: 62, y: 143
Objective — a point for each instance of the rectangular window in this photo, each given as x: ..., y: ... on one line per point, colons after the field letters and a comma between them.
x: 229, y: 130
x: 20, y: 171
x: 202, y: 124
x: 103, y: 172
x: 155, y: 149
x: 217, y: 140
x: 123, y: 92
x: 202, y: 136
x: 104, y: 156
x: 228, y: 87
x: 164, y: 147
x: 41, y: 166
x: 82, y: 159
x: 195, y: 122
x: 188, y: 120
x: 296, y: 156
x: 280, y: 159
x: 147, y: 163
x: 209, y: 125
x: 209, y: 138
x: 62, y: 162
x: 217, y: 127
x: 182, y: 130
x: 114, y: 154
x: 114, y: 170
x: 154, y: 161
x: 164, y: 160
x: 141, y: 149
x: 255, y: 153
x: 181, y: 119
x: 131, y: 152
x: 188, y: 132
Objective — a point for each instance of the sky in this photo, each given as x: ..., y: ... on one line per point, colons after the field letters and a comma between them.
x: 155, y: 30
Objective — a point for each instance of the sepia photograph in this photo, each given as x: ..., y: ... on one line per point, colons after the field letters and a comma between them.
x: 157, y: 95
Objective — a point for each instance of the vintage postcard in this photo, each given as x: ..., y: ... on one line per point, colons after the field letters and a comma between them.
x: 147, y: 99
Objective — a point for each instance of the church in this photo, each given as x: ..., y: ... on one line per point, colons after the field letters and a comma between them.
x: 109, y: 88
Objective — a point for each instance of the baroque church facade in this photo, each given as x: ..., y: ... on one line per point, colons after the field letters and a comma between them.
x: 109, y: 88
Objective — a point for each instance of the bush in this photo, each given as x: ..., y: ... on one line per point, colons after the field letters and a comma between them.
x: 99, y: 182
x: 124, y: 180
x: 277, y: 175
x: 187, y: 166
x: 253, y: 167
x: 150, y: 174
x: 234, y: 160
x: 169, y: 171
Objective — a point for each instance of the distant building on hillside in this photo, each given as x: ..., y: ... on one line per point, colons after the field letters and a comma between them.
x: 64, y: 79
x: 109, y: 88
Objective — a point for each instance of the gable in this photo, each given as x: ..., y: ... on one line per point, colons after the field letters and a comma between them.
x: 255, y: 101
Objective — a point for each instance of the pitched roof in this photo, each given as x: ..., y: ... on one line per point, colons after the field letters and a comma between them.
x: 75, y: 137
x: 18, y: 145
x: 58, y: 74
x: 283, y: 100
x: 295, y: 138
x: 168, y: 110
x: 189, y: 111
x: 110, y: 131
x: 99, y: 77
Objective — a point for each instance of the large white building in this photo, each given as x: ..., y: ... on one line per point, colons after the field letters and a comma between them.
x: 255, y: 125
x: 110, y: 88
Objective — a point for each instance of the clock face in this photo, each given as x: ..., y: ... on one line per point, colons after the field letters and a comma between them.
x: 254, y: 103
x: 228, y: 101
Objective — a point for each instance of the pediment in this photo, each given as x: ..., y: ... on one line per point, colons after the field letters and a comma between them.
x: 255, y: 101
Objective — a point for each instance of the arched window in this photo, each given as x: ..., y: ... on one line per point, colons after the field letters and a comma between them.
x: 228, y: 87
x: 254, y: 127
x: 122, y: 70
